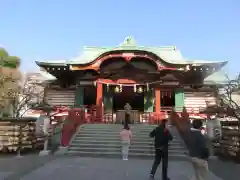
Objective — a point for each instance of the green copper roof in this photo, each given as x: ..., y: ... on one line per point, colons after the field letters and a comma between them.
x: 168, y: 53
x: 218, y: 77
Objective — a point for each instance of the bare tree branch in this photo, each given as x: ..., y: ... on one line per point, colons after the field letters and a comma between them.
x: 229, y: 96
x: 31, y: 93
x: 20, y: 94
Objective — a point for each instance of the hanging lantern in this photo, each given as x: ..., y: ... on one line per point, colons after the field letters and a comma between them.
x: 140, y: 89
x: 117, y: 89
x: 94, y: 83
x: 107, y: 87
x: 187, y: 68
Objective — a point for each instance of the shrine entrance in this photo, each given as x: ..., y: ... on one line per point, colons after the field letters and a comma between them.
x: 136, y: 100
x: 167, y: 98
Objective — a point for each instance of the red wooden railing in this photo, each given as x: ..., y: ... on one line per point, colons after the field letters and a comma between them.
x: 75, y: 118
x: 90, y: 114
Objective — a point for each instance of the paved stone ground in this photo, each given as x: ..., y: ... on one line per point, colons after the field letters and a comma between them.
x: 71, y: 168
x: 12, y: 167
x: 225, y: 170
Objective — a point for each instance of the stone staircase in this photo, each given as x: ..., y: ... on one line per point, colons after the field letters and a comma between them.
x: 103, y: 140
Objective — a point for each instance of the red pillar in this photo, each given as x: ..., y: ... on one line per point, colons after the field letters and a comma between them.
x: 99, y: 108
x: 157, y: 100
x: 99, y: 93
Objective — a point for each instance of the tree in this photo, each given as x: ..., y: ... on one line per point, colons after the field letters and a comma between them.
x: 229, y: 98
x: 10, y: 77
x: 30, y: 94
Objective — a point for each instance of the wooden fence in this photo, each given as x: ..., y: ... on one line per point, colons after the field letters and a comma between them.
x: 230, y: 142
x: 17, y: 134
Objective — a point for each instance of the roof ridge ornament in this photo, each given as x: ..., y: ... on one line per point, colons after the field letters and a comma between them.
x: 129, y: 41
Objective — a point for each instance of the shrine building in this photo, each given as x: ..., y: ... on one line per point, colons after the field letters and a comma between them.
x: 150, y: 79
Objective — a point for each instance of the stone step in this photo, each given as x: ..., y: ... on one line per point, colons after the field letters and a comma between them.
x: 145, y: 131
x: 118, y: 145
x: 114, y: 132
x: 115, y: 141
x: 139, y: 133
x: 114, y: 136
x: 132, y: 126
x: 104, y: 140
x: 120, y: 125
x: 100, y: 129
x: 180, y: 157
x: 118, y: 149
x: 140, y: 136
x: 95, y: 141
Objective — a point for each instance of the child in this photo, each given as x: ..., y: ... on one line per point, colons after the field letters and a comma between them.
x: 126, y: 136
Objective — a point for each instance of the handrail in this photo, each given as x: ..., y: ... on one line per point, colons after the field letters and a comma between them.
x: 183, y: 126
x: 67, y: 128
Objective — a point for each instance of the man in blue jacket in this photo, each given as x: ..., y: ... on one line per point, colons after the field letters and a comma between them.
x: 162, y: 137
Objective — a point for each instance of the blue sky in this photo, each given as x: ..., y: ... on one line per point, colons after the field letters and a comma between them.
x: 58, y: 29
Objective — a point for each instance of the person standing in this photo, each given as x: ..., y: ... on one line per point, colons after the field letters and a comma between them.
x: 162, y: 137
x: 126, y: 136
x: 127, y: 109
x: 198, y: 151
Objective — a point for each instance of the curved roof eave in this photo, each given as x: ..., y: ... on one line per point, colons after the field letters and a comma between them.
x: 169, y: 54
x: 92, y: 53
x: 163, y: 53
x: 209, y: 63
x: 217, y: 78
x: 52, y: 63
x: 47, y: 76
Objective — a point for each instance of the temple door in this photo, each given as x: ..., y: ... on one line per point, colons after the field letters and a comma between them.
x: 148, y: 101
x: 179, y: 99
x: 79, y: 97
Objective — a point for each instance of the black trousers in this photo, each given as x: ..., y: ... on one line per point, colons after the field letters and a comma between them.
x: 127, y: 119
x: 161, y: 155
